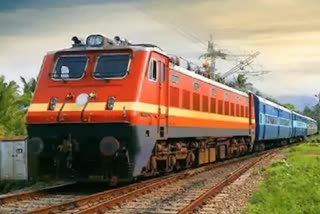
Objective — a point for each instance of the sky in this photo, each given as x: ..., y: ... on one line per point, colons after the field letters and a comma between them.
x: 286, y: 33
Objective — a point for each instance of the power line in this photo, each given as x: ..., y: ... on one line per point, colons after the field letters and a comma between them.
x: 186, y: 34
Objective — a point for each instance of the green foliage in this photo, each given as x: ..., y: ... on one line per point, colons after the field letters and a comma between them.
x: 240, y: 82
x: 289, y: 106
x: 313, y: 112
x: 12, y: 106
x: 292, y: 185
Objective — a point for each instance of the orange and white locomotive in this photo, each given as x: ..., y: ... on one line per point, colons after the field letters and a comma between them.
x: 108, y: 109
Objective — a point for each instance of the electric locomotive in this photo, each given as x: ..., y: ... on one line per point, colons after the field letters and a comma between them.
x: 110, y: 110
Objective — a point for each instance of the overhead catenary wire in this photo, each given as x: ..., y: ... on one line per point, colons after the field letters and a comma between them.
x: 187, y: 34
x: 194, y: 38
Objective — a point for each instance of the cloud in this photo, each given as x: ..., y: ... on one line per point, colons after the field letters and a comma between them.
x: 286, y: 33
x: 9, y: 5
x: 31, y: 37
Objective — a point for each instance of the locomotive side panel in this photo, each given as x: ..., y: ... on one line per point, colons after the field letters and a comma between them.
x: 192, y: 120
x: 199, y: 109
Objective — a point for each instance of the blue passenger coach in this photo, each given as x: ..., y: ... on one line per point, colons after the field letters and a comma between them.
x: 300, y: 125
x: 273, y: 122
x: 312, y: 127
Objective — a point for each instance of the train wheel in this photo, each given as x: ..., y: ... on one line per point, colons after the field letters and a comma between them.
x: 190, y: 159
x: 171, y: 162
x: 153, y: 165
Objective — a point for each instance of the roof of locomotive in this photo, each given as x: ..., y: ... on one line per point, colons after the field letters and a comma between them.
x: 205, y: 79
x: 113, y: 47
x: 158, y: 50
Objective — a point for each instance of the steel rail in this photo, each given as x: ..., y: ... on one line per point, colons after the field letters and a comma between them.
x: 109, y: 198
x: 217, y: 188
x: 149, y: 188
x: 72, y: 204
x: 11, y: 198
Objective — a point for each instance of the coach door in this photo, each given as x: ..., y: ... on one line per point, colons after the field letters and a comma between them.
x: 163, y: 84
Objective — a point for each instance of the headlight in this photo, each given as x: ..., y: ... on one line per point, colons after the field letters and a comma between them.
x: 109, y: 146
x: 110, y: 103
x: 52, y: 103
x: 35, y: 145
x: 82, y: 99
x: 95, y: 40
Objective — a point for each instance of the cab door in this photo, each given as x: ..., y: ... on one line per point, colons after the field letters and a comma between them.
x: 157, y: 91
x: 163, y: 84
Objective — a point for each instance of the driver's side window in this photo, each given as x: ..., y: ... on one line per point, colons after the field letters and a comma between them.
x: 153, y: 70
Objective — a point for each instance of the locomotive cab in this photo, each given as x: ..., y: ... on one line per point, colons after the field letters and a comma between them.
x: 84, y: 120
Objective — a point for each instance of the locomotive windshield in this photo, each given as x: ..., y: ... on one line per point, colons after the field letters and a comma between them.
x: 112, y: 66
x: 70, y: 67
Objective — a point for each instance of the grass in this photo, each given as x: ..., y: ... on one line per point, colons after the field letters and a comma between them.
x: 291, y: 185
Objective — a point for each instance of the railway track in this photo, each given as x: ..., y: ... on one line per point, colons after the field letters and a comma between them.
x: 185, y: 195
x: 110, y: 200
x: 169, y: 194
x: 24, y: 202
x: 202, y: 203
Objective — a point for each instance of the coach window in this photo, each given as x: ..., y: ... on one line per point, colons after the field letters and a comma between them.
x: 153, y: 70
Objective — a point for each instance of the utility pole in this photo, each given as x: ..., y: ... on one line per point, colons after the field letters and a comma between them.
x: 210, y: 58
x: 212, y: 54
x: 212, y: 67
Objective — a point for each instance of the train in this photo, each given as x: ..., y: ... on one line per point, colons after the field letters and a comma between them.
x: 107, y: 110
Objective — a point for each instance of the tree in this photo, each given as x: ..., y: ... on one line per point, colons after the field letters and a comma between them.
x: 241, y: 82
x: 289, y: 106
x: 30, y: 86
x: 313, y: 112
x: 11, y: 117
x: 28, y: 90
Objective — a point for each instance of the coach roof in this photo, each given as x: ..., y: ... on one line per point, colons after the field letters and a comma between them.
x: 268, y: 102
